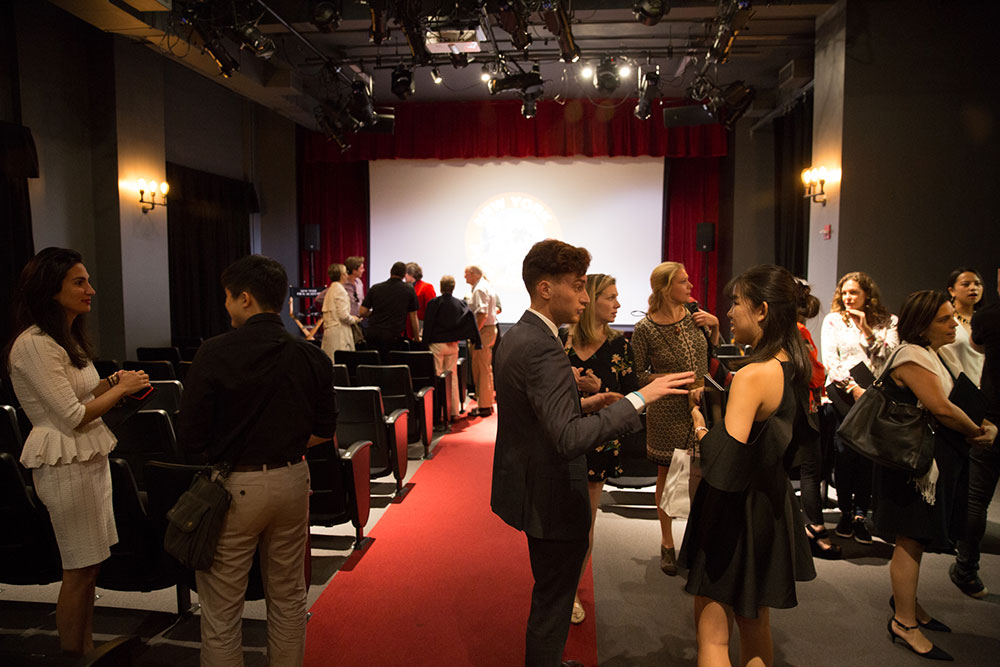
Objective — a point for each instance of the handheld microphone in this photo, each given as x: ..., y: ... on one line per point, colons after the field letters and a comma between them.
x: 692, y: 307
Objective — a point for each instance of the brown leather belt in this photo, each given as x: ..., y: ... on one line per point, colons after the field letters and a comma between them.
x: 258, y: 467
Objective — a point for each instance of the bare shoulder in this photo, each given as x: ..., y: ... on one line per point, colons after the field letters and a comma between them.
x: 761, y: 377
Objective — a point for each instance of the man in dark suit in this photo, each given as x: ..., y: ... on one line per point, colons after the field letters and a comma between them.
x: 539, y: 467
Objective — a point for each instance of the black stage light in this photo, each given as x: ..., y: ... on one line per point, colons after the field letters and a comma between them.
x: 554, y: 14
x: 328, y: 118
x: 436, y: 75
x: 326, y: 15
x: 402, y: 82
x: 361, y: 107
x: 647, y: 94
x: 606, y: 75
x: 736, y: 99
x: 649, y: 12
x: 459, y: 60
x: 524, y: 82
x: 212, y: 45
x: 252, y: 39
x: 379, y: 30
x: 512, y: 17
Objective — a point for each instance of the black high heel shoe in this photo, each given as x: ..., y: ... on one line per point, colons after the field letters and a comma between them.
x: 933, y: 625
x: 936, y: 653
x: 831, y: 552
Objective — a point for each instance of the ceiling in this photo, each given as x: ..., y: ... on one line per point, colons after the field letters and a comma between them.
x: 308, y: 65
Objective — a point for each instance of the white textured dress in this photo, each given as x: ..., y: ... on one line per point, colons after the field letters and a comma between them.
x: 69, y: 465
x: 337, y: 320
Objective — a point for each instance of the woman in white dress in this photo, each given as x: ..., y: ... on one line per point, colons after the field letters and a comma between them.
x: 965, y: 286
x: 337, y: 319
x: 49, y: 361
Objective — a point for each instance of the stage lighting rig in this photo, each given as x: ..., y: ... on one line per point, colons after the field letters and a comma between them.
x: 732, y: 102
x: 436, y: 76
x: 402, y: 85
x: 212, y: 45
x: 525, y: 82
x: 512, y: 16
x: 330, y: 119
x: 648, y: 90
x: 409, y: 18
x: 361, y: 106
x: 379, y: 30
x: 326, y: 15
x: 649, y: 12
x: 557, y: 21
x: 253, y: 40
x: 606, y: 76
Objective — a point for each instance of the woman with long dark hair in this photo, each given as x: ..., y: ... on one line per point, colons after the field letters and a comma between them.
x: 49, y: 362
x: 965, y: 287
x: 926, y: 513
x: 745, y: 543
x: 858, y: 330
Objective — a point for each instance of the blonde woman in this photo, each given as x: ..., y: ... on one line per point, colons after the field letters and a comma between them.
x: 337, y: 318
x: 670, y: 339
x: 601, y: 358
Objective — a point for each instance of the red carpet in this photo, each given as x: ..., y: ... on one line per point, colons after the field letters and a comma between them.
x: 445, y: 582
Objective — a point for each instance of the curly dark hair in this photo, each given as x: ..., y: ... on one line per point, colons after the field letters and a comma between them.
x: 35, y: 304
x: 876, y: 314
x: 917, y: 313
x: 550, y: 258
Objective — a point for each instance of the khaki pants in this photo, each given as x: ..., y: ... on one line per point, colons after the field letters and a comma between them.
x: 482, y: 367
x: 269, y: 507
x: 446, y: 359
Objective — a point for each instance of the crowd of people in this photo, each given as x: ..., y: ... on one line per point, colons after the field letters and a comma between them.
x: 570, y: 389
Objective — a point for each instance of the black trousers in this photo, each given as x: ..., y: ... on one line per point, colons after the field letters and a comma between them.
x: 555, y: 565
x: 853, y: 476
x: 817, y: 454
x: 984, y: 471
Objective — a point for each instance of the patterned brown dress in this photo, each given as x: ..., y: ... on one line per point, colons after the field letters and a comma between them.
x: 669, y: 348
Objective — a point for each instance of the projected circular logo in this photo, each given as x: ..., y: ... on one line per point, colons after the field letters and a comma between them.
x: 503, y: 228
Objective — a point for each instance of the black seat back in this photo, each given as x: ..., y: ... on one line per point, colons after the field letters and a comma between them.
x: 353, y: 358
x: 157, y: 370
x: 167, y: 397
x: 106, y: 367
x: 397, y: 391
x: 11, y: 440
x: 362, y: 417
x: 421, y: 365
x: 148, y: 435
x: 171, y: 354
x: 341, y: 378
x: 28, y: 551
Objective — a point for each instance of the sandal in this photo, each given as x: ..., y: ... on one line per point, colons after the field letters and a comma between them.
x: 830, y: 552
x: 578, y: 614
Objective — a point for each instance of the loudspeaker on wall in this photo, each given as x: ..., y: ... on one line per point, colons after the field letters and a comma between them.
x: 310, y: 237
x: 705, y: 237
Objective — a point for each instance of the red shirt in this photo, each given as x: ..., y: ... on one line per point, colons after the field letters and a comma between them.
x: 819, y: 372
x: 425, y: 292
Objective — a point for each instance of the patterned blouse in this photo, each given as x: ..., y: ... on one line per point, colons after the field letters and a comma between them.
x: 844, y: 346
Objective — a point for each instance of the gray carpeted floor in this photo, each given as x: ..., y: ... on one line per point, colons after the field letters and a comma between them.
x: 645, y: 618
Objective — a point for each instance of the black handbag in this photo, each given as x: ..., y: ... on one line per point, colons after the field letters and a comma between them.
x: 194, y: 523
x: 893, y: 434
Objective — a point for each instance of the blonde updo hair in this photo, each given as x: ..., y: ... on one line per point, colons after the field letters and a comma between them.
x: 660, y: 278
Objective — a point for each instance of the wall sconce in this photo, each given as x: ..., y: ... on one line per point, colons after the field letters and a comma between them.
x: 815, y: 180
x: 152, y: 186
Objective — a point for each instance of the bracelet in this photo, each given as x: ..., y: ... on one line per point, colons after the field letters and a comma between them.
x: 112, y: 379
x: 701, y: 428
x: 640, y: 397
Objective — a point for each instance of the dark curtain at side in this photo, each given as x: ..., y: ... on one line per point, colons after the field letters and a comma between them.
x: 792, y: 154
x: 335, y: 197
x: 208, y: 228
x: 693, y: 197
x: 18, y: 163
x: 495, y: 129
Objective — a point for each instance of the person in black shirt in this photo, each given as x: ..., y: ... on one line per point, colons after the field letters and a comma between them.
x: 447, y: 321
x: 387, y: 306
x: 984, y: 462
x: 256, y: 398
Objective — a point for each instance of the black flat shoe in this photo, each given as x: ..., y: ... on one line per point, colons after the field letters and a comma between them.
x: 933, y: 625
x: 831, y: 552
x: 936, y: 653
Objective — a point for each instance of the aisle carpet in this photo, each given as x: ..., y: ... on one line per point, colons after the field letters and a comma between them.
x: 445, y: 582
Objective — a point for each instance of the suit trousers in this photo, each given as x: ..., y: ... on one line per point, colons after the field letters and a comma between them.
x: 446, y: 359
x: 555, y: 565
x: 269, y: 508
x: 482, y: 367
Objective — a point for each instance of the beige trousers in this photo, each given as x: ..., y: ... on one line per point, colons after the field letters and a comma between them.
x: 446, y: 359
x: 482, y: 367
x: 269, y: 507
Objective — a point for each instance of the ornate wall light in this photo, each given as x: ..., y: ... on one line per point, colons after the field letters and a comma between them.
x: 151, y: 188
x: 815, y: 180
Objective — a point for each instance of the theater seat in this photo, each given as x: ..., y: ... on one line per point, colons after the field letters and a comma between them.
x: 156, y: 370
x: 424, y: 373
x: 171, y: 354
x: 398, y: 391
x: 341, y: 378
x: 341, y: 490
x: 10, y: 433
x: 352, y: 358
x: 28, y: 550
x: 167, y: 397
x: 362, y: 417
x: 148, y: 435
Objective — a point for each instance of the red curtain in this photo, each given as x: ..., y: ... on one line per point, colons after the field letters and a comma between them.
x: 693, y: 197
x: 496, y: 129
x: 334, y: 196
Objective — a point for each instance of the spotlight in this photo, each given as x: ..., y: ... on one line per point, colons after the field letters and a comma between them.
x: 326, y: 15
x: 511, y: 16
x: 330, y: 123
x: 557, y: 22
x: 212, y: 45
x: 252, y: 39
x: 735, y: 99
x: 487, y: 74
x: 379, y: 30
x: 649, y: 12
x: 647, y: 93
x: 527, y: 82
x: 529, y: 106
x: 606, y: 75
x: 402, y: 82
x: 625, y: 70
x: 436, y: 75
x: 361, y: 107
x: 587, y: 71
x: 459, y: 60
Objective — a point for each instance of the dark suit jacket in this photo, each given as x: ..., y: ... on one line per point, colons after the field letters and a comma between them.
x: 539, y: 467
x: 449, y: 319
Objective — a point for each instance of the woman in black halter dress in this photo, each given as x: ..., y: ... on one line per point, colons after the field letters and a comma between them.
x: 745, y: 544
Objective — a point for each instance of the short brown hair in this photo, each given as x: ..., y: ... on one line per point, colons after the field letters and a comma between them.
x: 447, y: 284
x: 335, y: 270
x: 550, y: 258
x: 352, y: 264
x: 413, y: 269
x: 917, y: 313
